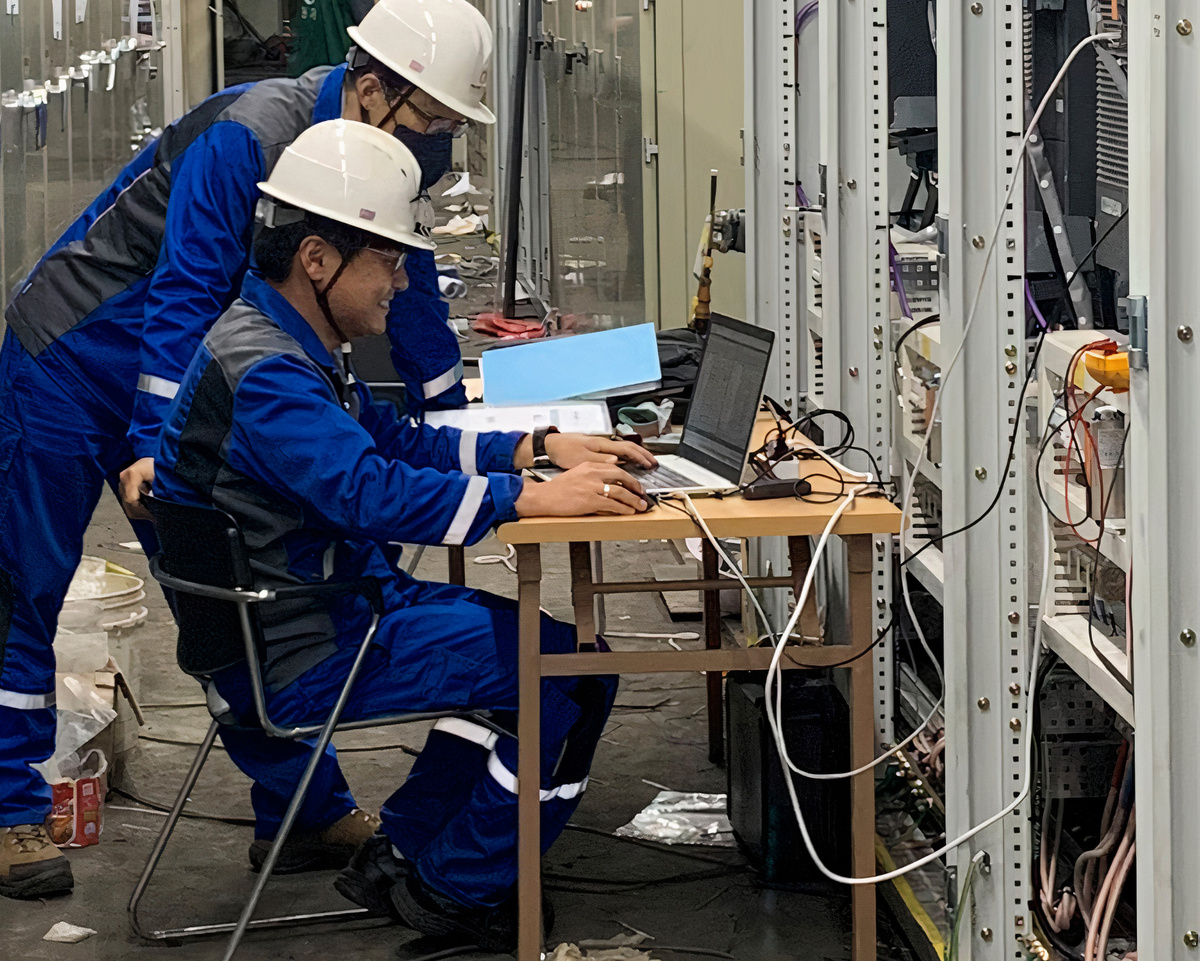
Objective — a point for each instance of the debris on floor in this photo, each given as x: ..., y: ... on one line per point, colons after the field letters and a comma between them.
x: 68, y: 933
x: 678, y: 817
x: 571, y: 952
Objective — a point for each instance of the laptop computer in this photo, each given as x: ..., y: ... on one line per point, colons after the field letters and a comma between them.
x: 716, y: 435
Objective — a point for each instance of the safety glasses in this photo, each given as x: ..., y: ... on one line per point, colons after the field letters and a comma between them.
x: 436, y: 125
x: 397, y: 258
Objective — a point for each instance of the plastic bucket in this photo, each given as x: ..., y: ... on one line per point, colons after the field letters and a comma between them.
x: 102, y: 598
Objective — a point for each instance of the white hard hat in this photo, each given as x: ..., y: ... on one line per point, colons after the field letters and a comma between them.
x: 355, y: 174
x: 442, y: 46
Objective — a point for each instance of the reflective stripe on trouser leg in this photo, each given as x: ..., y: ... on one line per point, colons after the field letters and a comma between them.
x: 473, y: 860
x: 440, y: 783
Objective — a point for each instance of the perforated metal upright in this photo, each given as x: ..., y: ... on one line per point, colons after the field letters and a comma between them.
x: 773, y: 260
x: 856, y: 299
x: 980, y: 123
x: 853, y: 195
x: 1164, y: 471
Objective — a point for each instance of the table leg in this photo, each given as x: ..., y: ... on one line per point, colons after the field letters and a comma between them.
x: 800, y: 559
x: 583, y: 596
x: 860, y: 567
x: 712, y: 641
x: 529, y: 738
x: 598, y: 576
x: 458, y: 565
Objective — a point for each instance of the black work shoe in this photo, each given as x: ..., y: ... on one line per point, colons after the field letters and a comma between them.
x: 371, y: 874
x: 423, y: 909
x: 30, y: 865
x: 328, y: 849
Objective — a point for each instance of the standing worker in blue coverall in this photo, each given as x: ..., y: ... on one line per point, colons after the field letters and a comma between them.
x: 101, y: 331
x: 270, y: 426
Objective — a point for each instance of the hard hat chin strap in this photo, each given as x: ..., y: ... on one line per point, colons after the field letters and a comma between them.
x: 322, y: 297
x: 403, y: 99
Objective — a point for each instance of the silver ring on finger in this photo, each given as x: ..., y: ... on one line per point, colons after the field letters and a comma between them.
x: 607, y: 489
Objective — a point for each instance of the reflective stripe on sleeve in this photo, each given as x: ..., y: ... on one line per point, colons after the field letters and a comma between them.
x: 443, y: 382
x: 466, y: 452
x: 159, y: 386
x: 469, y: 731
x: 468, y: 509
x: 507, y: 780
x: 25, y: 702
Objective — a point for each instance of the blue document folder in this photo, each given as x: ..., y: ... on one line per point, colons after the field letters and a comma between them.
x: 560, y: 368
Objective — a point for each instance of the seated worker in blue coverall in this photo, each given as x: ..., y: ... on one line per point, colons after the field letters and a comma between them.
x: 270, y: 426
x: 101, y: 331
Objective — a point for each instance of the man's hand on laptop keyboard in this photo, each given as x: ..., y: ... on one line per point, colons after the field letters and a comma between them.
x: 588, y: 488
x: 570, y: 450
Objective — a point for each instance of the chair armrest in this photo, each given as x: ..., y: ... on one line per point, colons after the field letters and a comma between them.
x: 199, y: 589
x: 367, y: 587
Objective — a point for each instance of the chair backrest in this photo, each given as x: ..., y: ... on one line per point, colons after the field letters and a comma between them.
x: 204, y: 545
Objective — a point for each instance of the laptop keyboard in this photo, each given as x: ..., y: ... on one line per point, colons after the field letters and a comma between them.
x: 661, y: 478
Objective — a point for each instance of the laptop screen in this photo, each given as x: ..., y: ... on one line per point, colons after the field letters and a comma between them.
x: 725, y: 402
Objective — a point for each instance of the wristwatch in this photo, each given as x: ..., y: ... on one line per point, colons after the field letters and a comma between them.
x: 540, y: 457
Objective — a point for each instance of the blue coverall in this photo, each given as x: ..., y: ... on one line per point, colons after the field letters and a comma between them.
x: 267, y: 427
x: 99, y: 335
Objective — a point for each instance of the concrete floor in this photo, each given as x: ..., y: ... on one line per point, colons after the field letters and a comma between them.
x: 598, y: 883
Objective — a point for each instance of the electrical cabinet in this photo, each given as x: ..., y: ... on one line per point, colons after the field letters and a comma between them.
x: 1028, y: 399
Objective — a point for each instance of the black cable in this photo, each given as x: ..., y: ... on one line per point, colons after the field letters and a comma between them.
x: 1108, y: 665
x: 195, y: 815
x: 931, y: 319
x: 656, y: 846
x: 1012, y: 444
x: 1049, y: 435
x: 883, y: 633
x: 1012, y: 447
x: 411, y: 751
x: 586, y: 885
x: 924, y: 322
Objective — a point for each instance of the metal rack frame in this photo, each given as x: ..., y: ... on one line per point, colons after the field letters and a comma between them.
x: 1164, y: 200
x: 981, y: 113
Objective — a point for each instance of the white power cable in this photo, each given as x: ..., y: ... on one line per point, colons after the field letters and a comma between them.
x: 1031, y: 689
x: 773, y: 711
x: 508, y: 558
x: 695, y: 515
x: 906, y: 502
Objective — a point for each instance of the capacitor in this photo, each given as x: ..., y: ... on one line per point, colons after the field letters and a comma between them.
x: 1106, y: 471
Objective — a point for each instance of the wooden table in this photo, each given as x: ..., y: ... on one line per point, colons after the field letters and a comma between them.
x: 727, y: 517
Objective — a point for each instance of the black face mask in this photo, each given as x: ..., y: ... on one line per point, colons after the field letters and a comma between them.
x: 433, y: 153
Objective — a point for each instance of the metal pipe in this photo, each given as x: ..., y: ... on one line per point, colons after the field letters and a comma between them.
x: 283, y: 921
x: 516, y: 138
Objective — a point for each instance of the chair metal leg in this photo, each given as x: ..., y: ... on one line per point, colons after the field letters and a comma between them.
x: 160, y: 845
x: 200, y: 930
x: 416, y: 559
x: 293, y: 810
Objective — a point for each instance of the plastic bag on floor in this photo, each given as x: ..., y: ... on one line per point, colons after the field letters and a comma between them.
x: 678, y: 817
x: 571, y: 952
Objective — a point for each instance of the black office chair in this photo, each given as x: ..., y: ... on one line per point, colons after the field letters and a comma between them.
x: 204, y: 561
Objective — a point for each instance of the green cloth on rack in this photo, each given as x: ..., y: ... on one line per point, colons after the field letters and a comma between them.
x: 321, y: 38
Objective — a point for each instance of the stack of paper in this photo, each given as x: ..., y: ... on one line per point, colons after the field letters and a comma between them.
x: 582, y: 418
